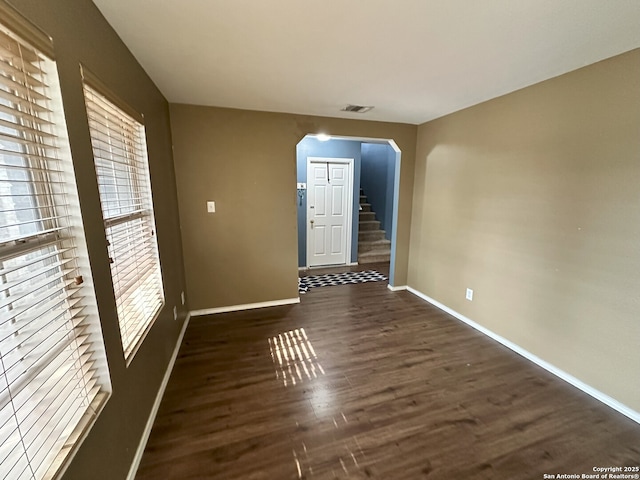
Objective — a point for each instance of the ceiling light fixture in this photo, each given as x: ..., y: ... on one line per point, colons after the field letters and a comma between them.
x: 323, y: 137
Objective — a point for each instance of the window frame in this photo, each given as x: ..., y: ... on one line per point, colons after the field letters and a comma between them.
x: 60, y: 235
x: 141, y: 177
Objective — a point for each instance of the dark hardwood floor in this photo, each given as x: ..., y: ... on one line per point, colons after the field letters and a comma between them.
x: 359, y: 382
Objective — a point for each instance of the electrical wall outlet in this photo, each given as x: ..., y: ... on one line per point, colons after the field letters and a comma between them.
x: 175, y: 312
x: 469, y: 295
x: 182, y: 297
x: 211, y: 207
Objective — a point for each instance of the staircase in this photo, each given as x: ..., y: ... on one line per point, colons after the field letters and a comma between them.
x: 372, y: 246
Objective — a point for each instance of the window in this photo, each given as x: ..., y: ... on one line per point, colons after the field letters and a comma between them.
x: 122, y: 169
x: 53, y: 376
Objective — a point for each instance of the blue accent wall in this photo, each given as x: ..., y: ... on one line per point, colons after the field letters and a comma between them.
x: 378, y: 165
x: 311, y: 147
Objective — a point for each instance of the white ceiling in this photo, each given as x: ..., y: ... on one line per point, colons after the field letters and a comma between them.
x: 414, y: 60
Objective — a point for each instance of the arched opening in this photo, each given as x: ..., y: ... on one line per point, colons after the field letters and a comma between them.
x: 376, y: 170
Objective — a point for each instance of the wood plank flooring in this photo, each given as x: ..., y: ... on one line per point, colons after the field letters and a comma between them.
x: 358, y: 382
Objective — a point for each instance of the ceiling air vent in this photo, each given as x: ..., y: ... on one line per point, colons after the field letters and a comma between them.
x: 356, y: 109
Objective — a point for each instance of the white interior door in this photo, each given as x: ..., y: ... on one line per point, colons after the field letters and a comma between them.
x: 329, y: 210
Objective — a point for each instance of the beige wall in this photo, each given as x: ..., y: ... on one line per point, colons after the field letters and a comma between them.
x: 246, y: 162
x: 81, y: 35
x: 533, y: 201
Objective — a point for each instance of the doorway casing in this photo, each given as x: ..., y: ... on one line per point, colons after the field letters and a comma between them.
x: 347, y: 206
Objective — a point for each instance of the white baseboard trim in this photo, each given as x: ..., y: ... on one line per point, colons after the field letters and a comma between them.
x: 399, y: 288
x: 598, y: 395
x: 156, y: 404
x: 246, y: 306
x: 319, y: 267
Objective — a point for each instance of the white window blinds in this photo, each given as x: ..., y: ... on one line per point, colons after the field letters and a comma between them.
x: 120, y: 154
x: 53, y: 377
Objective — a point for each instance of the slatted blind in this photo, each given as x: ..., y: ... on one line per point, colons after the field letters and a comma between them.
x: 120, y: 154
x: 51, y: 385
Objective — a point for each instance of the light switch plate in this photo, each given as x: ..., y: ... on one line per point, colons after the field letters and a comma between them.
x: 211, y: 207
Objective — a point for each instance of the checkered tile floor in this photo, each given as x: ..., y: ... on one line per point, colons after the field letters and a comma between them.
x: 329, y: 279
